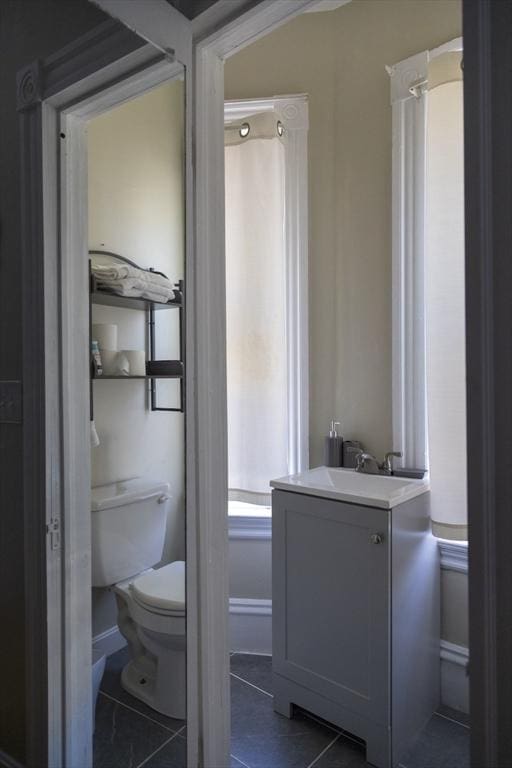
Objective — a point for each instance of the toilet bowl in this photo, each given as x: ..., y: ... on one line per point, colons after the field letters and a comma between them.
x: 151, y: 616
x: 128, y: 529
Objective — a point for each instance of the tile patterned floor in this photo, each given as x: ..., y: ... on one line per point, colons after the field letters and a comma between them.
x: 128, y: 733
x: 131, y: 735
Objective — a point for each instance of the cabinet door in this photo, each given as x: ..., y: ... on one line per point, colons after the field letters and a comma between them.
x: 331, y: 600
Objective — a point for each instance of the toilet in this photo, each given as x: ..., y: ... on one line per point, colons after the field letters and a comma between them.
x: 128, y: 530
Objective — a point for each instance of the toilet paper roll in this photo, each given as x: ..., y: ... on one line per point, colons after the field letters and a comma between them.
x: 136, y: 360
x: 122, y: 366
x: 106, y: 335
x: 109, y: 361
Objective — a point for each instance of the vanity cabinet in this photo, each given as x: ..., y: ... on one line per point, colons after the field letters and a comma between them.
x: 355, y: 614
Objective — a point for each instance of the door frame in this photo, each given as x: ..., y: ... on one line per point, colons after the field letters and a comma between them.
x: 488, y: 158
x: 55, y: 99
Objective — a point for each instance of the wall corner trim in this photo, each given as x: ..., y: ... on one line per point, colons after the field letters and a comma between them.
x: 454, y: 556
x: 241, y: 527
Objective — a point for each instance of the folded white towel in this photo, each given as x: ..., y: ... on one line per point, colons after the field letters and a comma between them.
x: 125, y: 271
x: 133, y: 287
x: 137, y: 283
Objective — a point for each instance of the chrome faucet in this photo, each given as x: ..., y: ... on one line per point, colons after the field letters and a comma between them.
x: 387, y: 464
x: 369, y: 465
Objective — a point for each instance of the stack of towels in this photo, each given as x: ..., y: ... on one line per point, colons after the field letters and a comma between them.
x: 125, y: 280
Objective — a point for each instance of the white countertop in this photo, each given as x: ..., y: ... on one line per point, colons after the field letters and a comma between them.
x: 355, y: 487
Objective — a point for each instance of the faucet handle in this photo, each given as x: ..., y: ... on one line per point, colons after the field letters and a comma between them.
x: 388, y: 464
x: 367, y: 463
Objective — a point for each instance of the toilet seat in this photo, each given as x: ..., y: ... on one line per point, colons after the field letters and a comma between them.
x: 162, y: 591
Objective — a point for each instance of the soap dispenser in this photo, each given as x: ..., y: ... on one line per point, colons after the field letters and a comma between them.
x: 333, y: 452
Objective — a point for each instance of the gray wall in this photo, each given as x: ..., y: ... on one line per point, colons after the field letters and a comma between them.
x: 29, y: 29
x: 250, y: 569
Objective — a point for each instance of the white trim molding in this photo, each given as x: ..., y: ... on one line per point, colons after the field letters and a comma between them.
x: 408, y: 79
x: 108, y: 642
x: 245, y: 528
x: 216, y: 36
x: 455, y: 654
x: 326, y: 5
x: 454, y: 556
x: 408, y: 318
x: 250, y: 625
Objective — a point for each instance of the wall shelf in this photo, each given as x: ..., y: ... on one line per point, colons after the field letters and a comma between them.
x: 100, y: 296
x: 148, y: 376
x: 106, y: 298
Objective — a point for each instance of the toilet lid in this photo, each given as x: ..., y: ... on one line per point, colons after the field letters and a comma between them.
x: 163, y: 589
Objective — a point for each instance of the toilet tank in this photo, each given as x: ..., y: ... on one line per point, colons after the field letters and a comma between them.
x: 127, y: 529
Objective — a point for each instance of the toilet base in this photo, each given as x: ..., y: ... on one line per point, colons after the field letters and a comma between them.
x: 156, y: 672
x: 139, y: 684
x: 160, y: 684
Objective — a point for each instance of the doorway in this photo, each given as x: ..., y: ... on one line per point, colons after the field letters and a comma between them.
x: 136, y: 242
x: 351, y: 304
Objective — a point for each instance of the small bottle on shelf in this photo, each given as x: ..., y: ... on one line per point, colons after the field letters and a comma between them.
x: 96, y: 359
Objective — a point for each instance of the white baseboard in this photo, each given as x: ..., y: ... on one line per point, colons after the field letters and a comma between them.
x: 246, y: 528
x: 109, y: 642
x: 250, y: 625
x: 454, y: 555
x: 454, y: 677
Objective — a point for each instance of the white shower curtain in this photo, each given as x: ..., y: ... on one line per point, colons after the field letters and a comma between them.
x: 444, y: 293
x: 256, y: 317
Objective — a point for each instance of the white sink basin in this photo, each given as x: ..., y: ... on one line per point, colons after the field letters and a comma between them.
x: 356, y: 487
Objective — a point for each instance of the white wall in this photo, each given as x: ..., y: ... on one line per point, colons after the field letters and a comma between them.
x: 136, y: 209
x: 338, y: 58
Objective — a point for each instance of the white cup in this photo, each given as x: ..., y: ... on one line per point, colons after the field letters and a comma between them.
x: 106, y: 335
x: 136, y: 361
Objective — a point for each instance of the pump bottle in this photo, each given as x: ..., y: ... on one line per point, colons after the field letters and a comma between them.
x: 333, y: 450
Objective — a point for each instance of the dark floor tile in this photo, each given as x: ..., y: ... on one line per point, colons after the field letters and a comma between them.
x: 122, y: 738
x: 454, y: 714
x: 442, y: 744
x: 255, y: 669
x: 235, y: 763
x: 171, y: 755
x: 261, y: 738
x: 111, y: 684
x: 343, y: 754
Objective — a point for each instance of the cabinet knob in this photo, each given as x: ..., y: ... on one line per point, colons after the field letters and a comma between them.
x: 376, y: 538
